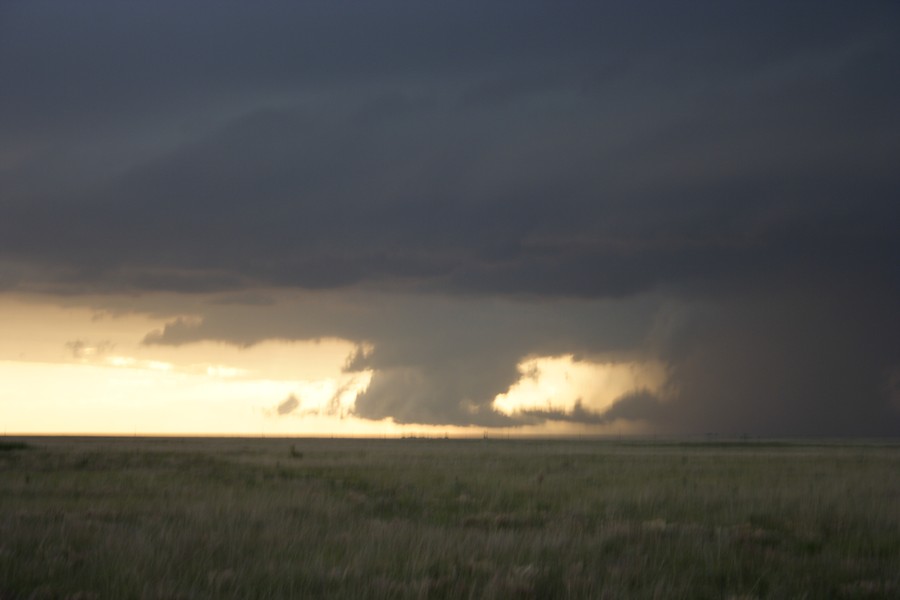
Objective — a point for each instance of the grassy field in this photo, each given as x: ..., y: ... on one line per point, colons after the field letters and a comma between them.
x: 242, y: 518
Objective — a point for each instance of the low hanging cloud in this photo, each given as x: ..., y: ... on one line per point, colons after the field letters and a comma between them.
x: 335, y: 406
x: 759, y: 363
x: 434, y: 360
x: 640, y: 406
x: 287, y: 407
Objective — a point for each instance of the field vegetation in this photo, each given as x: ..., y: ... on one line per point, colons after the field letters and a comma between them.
x: 288, y: 518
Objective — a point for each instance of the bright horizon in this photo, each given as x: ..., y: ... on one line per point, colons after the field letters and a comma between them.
x: 123, y: 387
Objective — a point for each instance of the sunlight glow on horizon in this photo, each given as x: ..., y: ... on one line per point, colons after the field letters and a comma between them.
x: 73, y: 371
x: 76, y: 371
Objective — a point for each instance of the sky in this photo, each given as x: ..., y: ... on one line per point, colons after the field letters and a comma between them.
x: 448, y: 218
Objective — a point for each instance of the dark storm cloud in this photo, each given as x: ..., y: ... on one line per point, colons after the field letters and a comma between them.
x: 726, y: 158
x: 639, y: 405
x: 796, y: 363
x: 768, y: 362
x: 589, y: 150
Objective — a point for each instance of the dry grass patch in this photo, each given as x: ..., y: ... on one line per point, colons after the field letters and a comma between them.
x: 136, y: 518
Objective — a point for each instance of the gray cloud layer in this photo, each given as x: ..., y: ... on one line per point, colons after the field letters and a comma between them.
x: 734, y: 162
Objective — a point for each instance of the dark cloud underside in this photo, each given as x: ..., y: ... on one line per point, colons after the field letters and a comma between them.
x: 736, y: 162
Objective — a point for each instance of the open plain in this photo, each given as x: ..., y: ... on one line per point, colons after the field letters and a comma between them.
x: 424, y: 518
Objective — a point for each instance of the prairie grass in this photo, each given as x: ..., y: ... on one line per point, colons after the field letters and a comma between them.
x: 240, y: 518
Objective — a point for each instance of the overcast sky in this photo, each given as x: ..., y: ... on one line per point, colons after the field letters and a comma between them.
x: 708, y: 188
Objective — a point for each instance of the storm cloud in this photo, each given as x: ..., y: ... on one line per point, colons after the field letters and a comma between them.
x: 435, y: 359
x: 457, y: 187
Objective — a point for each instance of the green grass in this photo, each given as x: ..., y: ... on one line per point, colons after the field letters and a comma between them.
x: 7, y: 446
x: 207, y: 518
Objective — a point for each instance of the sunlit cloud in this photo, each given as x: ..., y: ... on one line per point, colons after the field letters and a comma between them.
x: 225, y: 371
x: 560, y: 384
x: 133, y: 363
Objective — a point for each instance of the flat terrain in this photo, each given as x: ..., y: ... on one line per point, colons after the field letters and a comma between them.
x: 275, y: 518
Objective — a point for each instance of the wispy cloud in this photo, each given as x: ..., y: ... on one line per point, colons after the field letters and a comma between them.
x: 86, y: 350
